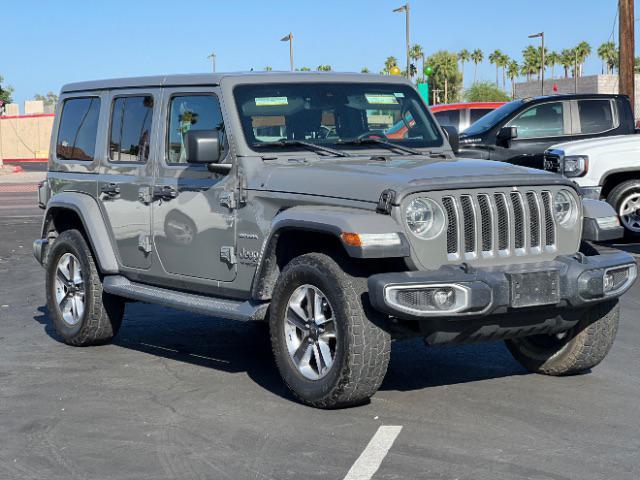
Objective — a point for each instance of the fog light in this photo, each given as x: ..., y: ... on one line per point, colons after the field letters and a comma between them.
x: 617, y: 279
x: 444, y: 298
x: 423, y: 300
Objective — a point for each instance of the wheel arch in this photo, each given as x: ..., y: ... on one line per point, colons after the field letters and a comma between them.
x: 614, y: 178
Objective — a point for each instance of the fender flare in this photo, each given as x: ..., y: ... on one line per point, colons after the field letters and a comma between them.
x: 329, y: 220
x: 592, y: 231
x: 91, y: 217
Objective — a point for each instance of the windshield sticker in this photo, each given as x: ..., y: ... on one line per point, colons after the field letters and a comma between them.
x: 399, y: 95
x: 381, y: 99
x: 271, y: 101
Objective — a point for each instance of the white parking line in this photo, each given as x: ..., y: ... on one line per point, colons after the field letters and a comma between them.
x: 370, y: 459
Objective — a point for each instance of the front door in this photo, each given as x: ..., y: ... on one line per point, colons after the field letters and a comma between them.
x: 126, y: 175
x: 193, y: 213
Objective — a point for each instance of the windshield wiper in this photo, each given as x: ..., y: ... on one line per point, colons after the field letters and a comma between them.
x: 379, y: 141
x: 302, y: 143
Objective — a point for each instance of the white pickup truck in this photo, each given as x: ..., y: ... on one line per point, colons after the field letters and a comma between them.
x: 604, y: 168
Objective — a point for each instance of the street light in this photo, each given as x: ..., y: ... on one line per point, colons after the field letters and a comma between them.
x: 289, y: 38
x: 212, y: 57
x: 541, y: 35
x: 405, y: 9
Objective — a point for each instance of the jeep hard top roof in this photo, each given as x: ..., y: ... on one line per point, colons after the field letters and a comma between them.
x: 238, y: 77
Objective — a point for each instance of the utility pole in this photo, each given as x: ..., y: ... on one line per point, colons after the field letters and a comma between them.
x: 626, y: 42
x: 405, y: 8
x: 212, y: 57
x: 541, y: 35
x: 575, y: 71
x: 289, y: 38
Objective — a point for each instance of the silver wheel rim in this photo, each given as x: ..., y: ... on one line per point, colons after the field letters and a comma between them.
x: 70, y: 292
x: 630, y: 212
x: 310, y: 332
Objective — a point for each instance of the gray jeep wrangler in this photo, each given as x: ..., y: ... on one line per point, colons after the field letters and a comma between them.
x: 329, y: 205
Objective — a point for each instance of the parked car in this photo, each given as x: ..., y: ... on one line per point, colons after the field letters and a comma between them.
x: 172, y: 190
x: 604, y: 168
x: 520, y: 131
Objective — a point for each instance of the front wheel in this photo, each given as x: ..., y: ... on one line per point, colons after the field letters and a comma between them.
x: 574, y: 351
x: 625, y: 198
x: 327, y: 350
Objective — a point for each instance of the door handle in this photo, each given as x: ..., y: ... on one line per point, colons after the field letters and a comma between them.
x: 111, y: 189
x: 165, y: 192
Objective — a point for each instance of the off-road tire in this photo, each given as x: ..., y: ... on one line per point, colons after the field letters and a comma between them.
x: 582, y: 348
x: 103, y: 312
x: 363, y: 351
x: 616, y: 197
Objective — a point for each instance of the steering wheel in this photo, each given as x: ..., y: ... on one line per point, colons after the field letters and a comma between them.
x: 371, y: 133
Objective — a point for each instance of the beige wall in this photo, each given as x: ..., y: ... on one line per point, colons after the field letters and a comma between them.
x: 25, y: 137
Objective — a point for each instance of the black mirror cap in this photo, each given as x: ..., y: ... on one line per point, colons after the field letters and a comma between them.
x: 507, y: 133
x: 452, y: 135
x: 203, y: 146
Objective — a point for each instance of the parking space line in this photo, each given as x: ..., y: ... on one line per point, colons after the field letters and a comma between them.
x: 370, y: 459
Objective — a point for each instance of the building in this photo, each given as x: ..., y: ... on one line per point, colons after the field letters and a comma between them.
x: 25, y: 138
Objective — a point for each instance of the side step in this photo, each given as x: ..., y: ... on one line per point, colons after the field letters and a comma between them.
x: 223, y: 308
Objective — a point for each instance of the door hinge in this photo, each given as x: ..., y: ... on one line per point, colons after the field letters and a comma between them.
x: 228, y: 199
x: 144, y: 243
x: 145, y: 195
x: 228, y: 255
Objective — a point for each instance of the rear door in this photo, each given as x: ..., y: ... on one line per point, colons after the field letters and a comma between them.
x: 594, y: 117
x: 126, y: 175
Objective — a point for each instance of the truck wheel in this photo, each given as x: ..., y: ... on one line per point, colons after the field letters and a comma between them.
x: 82, y: 313
x: 327, y: 350
x: 625, y: 198
x: 574, y: 351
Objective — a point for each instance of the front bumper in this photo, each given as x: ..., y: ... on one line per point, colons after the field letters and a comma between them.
x: 567, y: 282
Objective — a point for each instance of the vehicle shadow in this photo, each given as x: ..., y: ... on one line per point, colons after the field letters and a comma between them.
x: 237, y: 347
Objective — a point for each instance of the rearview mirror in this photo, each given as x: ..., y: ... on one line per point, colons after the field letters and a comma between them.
x: 202, y: 146
x: 507, y: 133
x: 451, y: 133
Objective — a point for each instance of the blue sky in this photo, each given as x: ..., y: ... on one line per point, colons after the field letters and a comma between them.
x: 47, y: 43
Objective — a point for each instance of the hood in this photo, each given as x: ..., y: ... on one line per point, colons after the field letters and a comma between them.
x: 365, y: 180
x: 592, y: 146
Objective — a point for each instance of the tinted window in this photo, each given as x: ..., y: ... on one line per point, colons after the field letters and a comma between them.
x: 493, y: 118
x: 130, y: 129
x: 448, y: 118
x: 192, y: 113
x: 477, y: 113
x: 78, y: 129
x: 543, y: 120
x: 595, y: 116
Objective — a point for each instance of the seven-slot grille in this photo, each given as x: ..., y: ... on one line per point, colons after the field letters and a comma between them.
x: 499, y: 223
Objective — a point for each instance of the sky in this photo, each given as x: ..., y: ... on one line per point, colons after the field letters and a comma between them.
x: 45, y: 44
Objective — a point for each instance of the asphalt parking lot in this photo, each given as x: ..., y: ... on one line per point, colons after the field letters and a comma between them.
x: 181, y: 396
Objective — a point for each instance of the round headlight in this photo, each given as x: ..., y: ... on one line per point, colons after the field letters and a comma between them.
x: 424, y: 218
x: 564, y: 207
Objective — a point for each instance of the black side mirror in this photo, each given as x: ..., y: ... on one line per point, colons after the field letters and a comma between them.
x: 451, y: 133
x: 203, y: 146
x: 506, y: 134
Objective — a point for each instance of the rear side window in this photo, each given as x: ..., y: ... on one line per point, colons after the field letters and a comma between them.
x: 595, y: 116
x: 78, y: 129
x: 448, y: 118
x: 544, y: 120
x: 130, y: 129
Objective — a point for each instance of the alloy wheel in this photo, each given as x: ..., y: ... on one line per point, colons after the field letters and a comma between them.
x: 70, y: 289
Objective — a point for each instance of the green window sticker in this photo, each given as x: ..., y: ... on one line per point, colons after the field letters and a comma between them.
x: 271, y: 101
x: 399, y: 95
x: 381, y: 99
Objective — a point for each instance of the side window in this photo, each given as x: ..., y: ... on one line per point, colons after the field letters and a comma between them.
x: 448, y: 118
x: 130, y: 129
x: 477, y: 113
x: 595, y: 116
x: 545, y: 120
x: 193, y: 113
x: 78, y: 129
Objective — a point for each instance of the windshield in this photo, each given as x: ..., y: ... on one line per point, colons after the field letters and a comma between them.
x: 492, y: 118
x: 274, y: 116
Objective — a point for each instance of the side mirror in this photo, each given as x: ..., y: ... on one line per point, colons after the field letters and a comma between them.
x: 506, y: 134
x: 451, y: 133
x: 203, y: 146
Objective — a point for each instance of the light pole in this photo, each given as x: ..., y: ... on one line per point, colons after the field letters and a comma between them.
x: 212, y: 57
x: 541, y: 35
x: 289, y: 38
x: 405, y: 8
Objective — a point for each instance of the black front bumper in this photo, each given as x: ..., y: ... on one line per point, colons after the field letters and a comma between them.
x: 568, y: 282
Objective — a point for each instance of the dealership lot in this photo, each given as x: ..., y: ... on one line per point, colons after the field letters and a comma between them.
x: 185, y: 396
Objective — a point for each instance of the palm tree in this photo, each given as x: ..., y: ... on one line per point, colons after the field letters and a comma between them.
x: 567, y: 57
x: 364, y: 70
x: 530, y: 61
x: 495, y: 57
x: 476, y: 57
x: 389, y: 63
x: 416, y: 53
x: 583, y: 49
x: 552, y: 59
x: 504, y: 62
x: 512, y: 72
x: 608, y: 53
x: 463, y: 56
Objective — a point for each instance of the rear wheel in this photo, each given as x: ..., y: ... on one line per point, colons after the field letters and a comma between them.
x: 82, y: 313
x: 327, y: 350
x: 574, y: 351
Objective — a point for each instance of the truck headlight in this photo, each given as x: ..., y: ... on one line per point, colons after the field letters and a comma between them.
x: 564, y: 208
x: 424, y: 218
x: 575, y: 165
